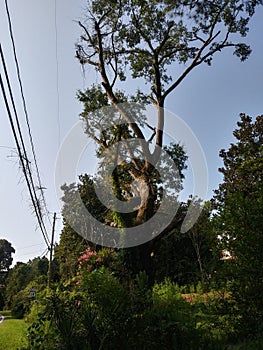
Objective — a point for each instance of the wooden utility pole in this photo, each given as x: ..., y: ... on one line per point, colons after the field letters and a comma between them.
x: 51, y: 250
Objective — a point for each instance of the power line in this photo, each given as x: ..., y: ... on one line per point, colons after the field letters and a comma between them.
x: 30, y: 246
x: 25, y: 160
x: 22, y: 160
x: 44, y: 253
x: 25, y: 108
x: 51, y: 250
x: 8, y: 147
x: 14, y: 108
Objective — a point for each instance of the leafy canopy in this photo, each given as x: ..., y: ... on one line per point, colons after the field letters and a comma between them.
x: 143, y: 38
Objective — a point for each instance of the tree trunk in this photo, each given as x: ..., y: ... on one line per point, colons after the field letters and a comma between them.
x: 147, y: 196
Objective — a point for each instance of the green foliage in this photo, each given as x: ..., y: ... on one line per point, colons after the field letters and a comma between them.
x: 20, y: 304
x: 85, y: 189
x: 186, y: 258
x: 77, y: 198
x: 100, y: 313
x: 41, y: 334
x: 150, y: 35
x: 243, y: 160
x: 250, y: 344
x: 70, y: 247
x: 19, y: 278
x: 109, y: 301
x: 2, y: 301
x: 171, y: 317
x: 22, y: 301
x: 90, y: 318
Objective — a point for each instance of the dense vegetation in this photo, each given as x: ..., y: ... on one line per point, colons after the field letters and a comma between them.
x: 190, y: 299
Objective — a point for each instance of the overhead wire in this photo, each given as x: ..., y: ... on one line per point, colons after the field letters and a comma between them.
x: 27, y: 166
x: 22, y: 160
x: 38, y: 202
x: 40, y: 187
x: 22, y: 155
x: 30, y: 246
x: 41, y: 255
x: 44, y: 253
x: 7, y: 147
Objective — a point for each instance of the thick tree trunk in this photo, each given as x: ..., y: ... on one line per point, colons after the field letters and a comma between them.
x: 147, y: 196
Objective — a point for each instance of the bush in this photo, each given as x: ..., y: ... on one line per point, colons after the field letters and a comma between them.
x: 22, y: 301
x: 59, y: 324
x: 91, y: 316
x: 20, y: 304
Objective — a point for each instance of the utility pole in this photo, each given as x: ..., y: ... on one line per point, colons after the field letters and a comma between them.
x: 51, y: 250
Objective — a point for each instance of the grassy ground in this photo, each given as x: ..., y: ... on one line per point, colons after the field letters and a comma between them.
x: 12, y: 332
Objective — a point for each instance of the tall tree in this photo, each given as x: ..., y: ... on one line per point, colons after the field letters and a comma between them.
x: 141, y: 39
x: 6, y: 251
x: 239, y: 202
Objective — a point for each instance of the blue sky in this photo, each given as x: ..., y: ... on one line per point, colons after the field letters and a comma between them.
x: 209, y: 101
